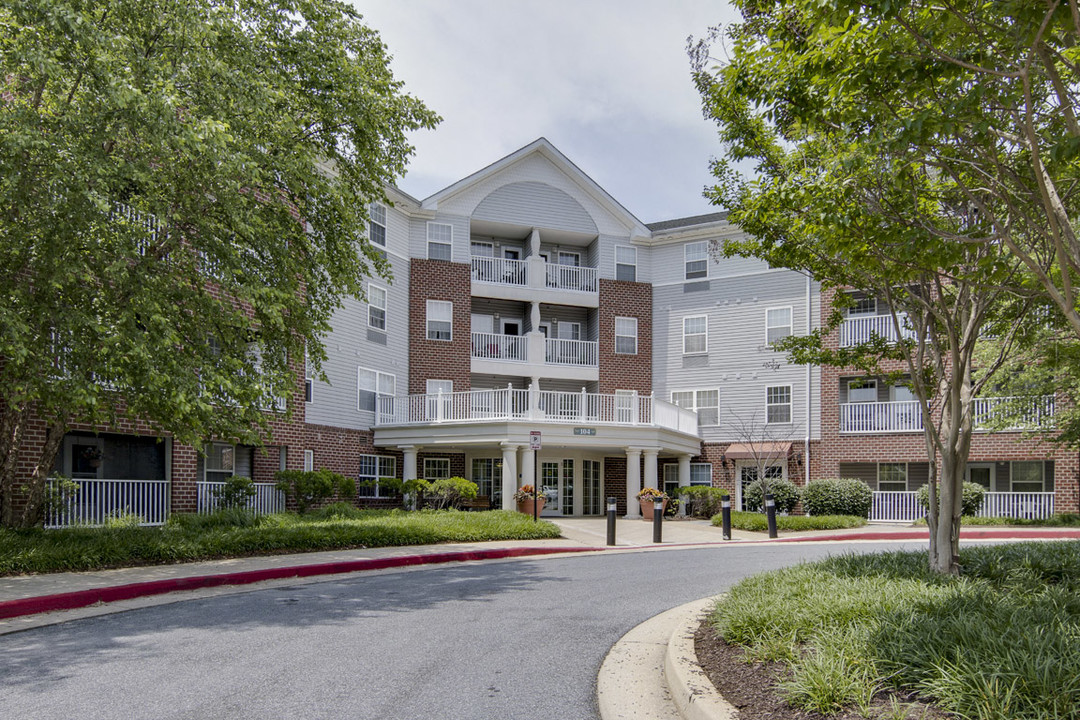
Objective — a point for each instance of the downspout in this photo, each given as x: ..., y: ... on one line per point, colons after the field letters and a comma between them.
x: 809, y: 386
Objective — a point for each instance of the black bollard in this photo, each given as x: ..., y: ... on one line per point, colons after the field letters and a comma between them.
x: 770, y: 514
x: 611, y: 506
x: 657, y: 521
x: 725, y: 513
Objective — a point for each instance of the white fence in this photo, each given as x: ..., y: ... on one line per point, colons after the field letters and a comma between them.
x: 494, y: 346
x: 572, y: 352
x: 991, y: 413
x: 903, y: 506
x: 1014, y: 412
x: 502, y: 271
x: 267, y: 499
x: 858, y: 330
x: 95, y: 501
x: 881, y: 417
x: 571, y: 277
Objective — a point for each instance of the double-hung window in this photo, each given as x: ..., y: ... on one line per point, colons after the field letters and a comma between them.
x: 372, y: 386
x: 705, y: 402
x: 626, y: 335
x: 696, y: 335
x: 777, y: 324
x: 376, y: 297
x: 778, y: 404
x: 625, y: 263
x: 436, y: 468
x: 892, y: 477
x: 440, y: 241
x: 377, y: 225
x: 440, y: 320
x: 1027, y: 475
x: 696, y: 257
x: 372, y: 468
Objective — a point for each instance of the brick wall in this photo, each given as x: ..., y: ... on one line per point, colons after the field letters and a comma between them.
x: 625, y: 372
x: 438, y: 359
x: 615, y: 483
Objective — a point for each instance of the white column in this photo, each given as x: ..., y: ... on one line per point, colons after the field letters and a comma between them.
x: 684, y: 481
x: 534, y: 242
x: 650, y: 467
x: 528, y: 466
x: 509, y: 476
x: 633, y: 482
x: 408, y: 466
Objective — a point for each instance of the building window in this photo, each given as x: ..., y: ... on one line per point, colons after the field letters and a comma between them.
x: 1027, y: 475
x: 309, y: 382
x: 372, y: 386
x: 696, y: 256
x: 862, y: 390
x: 487, y: 474
x: 377, y: 225
x: 892, y: 477
x: 220, y: 462
x: 372, y: 468
x: 777, y: 324
x: 701, y: 474
x: 440, y: 315
x: 309, y: 460
x: 695, y: 339
x: 440, y: 240
x: 376, y: 297
x: 862, y: 306
x: 626, y: 263
x: 626, y: 335
x: 705, y: 402
x: 778, y: 404
x: 436, y: 468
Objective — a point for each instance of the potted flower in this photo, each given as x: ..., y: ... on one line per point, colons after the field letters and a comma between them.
x: 648, y: 497
x: 525, y: 496
x: 92, y: 456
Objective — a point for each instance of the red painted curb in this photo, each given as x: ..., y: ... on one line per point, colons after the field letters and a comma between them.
x: 83, y: 598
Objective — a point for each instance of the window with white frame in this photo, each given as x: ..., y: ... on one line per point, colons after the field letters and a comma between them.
x: 440, y: 241
x: 1027, y: 475
x: 219, y: 462
x: 372, y: 469
x: 695, y: 339
x: 440, y: 317
x: 862, y: 306
x: 701, y: 474
x: 376, y: 297
x: 862, y: 390
x: 626, y: 335
x: 436, y: 468
x: 309, y: 381
x: 706, y: 403
x: 696, y: 257
x: 487, y: 474
x: 377, y: 225
x: 371, y: 386
x: 778, y: 404
x: 309, y: 460
x: 892, y: 477
x: 777, y: 324
x: 626, y: 263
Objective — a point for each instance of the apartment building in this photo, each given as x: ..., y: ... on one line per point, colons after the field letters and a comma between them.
x: 525, y: 299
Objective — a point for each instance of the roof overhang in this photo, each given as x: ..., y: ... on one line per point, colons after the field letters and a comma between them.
x: 757, y: 450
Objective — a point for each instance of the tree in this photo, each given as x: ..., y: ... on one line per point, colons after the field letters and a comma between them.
x: 817, y: 95
x: 184, y: 191
x: 765, y: 444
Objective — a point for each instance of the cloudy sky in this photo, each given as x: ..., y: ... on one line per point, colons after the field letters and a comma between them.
x: 606, y: 81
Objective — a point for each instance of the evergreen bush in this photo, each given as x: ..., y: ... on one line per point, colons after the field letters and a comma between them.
x: 837, y: 496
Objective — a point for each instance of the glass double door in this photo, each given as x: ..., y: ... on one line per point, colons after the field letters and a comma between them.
x: 570, y: 487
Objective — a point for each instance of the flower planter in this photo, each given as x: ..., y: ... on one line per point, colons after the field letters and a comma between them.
x: 647, y: 509
x: 526, y: 506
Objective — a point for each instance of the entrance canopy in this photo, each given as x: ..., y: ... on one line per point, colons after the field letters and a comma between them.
x: 757, y: 450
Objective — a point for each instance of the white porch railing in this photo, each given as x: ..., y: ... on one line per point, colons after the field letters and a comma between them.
x: 267, y: 499
x: 1017, y: 504
x: 494, y: 346
x: 857, y: 330
x: 542, y: 406
x: 903, y: 506
x: 571, y: 277
x: 501, y: 271
x: 95, y: 501
x: 881, y: 417
x: 572, y: 352
x: 1014, y: 413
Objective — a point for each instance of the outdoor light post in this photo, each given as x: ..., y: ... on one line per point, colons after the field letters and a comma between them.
x: 725, y: 513
x: 611, y: 507
x: 657, y: 522
x: 770, y: 514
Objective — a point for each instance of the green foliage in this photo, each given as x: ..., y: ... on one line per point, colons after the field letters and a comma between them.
x: 837, y: 496
x: 971, y: 501
x: 236, y: 492
x: 997, y: 643
x: 122, y: 519
x: 704, y: 501
x: 448, y: 492
x: 60, y: 492
x: 758, y: 522
x: 337, y: 511
x: 307, y: 488
x: 785, y: 495
x: 188, y: 538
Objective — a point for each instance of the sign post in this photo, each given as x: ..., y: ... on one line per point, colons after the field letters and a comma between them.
x: 534, y: 445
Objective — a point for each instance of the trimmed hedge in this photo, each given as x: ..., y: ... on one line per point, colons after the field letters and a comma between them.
x: 785, y: 496
x: 970, y: 503
x: 703, y: 501
x: 837, y: 496
x: 758, y: 522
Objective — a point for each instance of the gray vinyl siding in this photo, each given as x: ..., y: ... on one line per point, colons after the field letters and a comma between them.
x: 867, y: 472
x: 535, y: 204
x: 505, y: 309
x: 738, y: 362
x: 605, y: 257
x: 418, y: 236
x: 668, y: 263
x: 568, y: 313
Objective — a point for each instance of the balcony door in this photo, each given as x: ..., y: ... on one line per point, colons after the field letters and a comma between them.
x: 981, y: 474
x: 557, y: 483
x: 83, y: 457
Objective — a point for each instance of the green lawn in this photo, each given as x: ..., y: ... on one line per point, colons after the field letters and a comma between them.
x: 1000, y: 643
x: 1061, y: 520
x: 755, y: 521
x: 189, y: 537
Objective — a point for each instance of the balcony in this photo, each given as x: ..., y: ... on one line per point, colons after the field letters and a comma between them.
x: 534, y: 279
x: 582, y: 353
x: 494, y: 346
x: 858, y: 330
x: 500, y: 271
x: 993, y: 413
x: 570, y: 277
x: 534, y: 406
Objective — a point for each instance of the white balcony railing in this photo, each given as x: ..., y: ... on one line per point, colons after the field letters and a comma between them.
x: 501, y: 271
x: 541, y: 406
x: 493, y: 346
x: 267, y: 499
x: 1014, y: 413
x: 903, y: 506
x: 95, y: 501
x: 858, y: 330
x: 881, y: 417
x: 571, y: 352
x: 1004, y: 413
x: 570, y: 277
x: 896, y: 506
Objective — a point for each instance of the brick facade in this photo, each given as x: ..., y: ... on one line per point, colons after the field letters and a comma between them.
x: 439, y: 359
x: 623, y: 371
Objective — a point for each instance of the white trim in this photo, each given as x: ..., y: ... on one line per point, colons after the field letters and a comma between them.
x: 615, y: 259
x: 1042, y: 475
x: 686, y: 262
x: 449, y: 243
x: 617, y: 335
x: 703, y: 351
x: 863, y: 384
x: 309, y: 460
x: 439, y: 305
x: 374, y: 306
x: 372, y: 221
x: 697, y: 406
x: 436, y: 461
x: 907, y: 475
x: 381, y: 379
x: 790, y: 324
x: 790, y: 404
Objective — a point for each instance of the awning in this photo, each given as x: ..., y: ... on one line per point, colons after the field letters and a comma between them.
x: 758, y: 450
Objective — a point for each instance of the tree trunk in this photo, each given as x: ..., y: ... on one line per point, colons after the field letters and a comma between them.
x: 12, y: 425
x: 34, y: 508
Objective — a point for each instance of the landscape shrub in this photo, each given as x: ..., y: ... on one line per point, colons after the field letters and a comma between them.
x: 236, y: 492
x: 448, y: 492
x: 970, y: 502
x: 758, y: 522
x: 220, y: 518
x: 785, y: 496
x: 702, y: 501
x: 307, y: 488
x: 337, y: 511
x: 837, y: 496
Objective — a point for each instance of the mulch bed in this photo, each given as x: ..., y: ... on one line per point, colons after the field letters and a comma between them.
x: 749, y: 686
